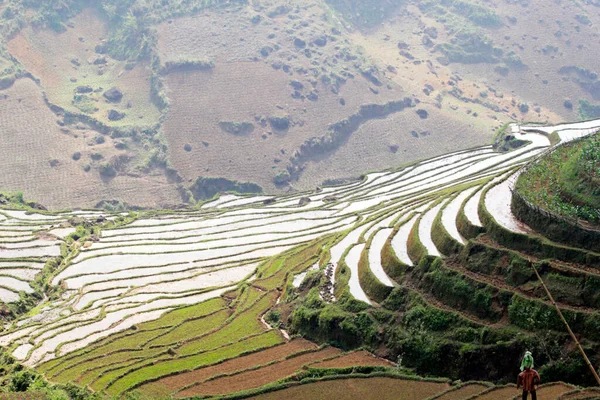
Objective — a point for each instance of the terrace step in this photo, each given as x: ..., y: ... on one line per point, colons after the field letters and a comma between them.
x: 496, y: 393
x: 254, y: 378
x: 551, y: 391
x: 466, y: 391
x: 499, y: 283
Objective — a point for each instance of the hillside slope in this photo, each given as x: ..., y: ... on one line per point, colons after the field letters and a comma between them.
x: 415, y: 264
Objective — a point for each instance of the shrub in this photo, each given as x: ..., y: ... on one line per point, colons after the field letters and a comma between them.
x: 107, y: 170
x: 183, y: 64
x: 237, y: 128
x: 280, y: 122
x: 282, y: 178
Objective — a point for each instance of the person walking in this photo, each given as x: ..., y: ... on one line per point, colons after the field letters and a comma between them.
x: 529, y: 378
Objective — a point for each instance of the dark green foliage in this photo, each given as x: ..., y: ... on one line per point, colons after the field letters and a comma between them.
x: 207, y: 188
x: 333, y: 325
x: 282, y: 178
x: 348, y: 303
x: 107, y: 170
x: 365, y: 13
x: 17, y: 379
x: 368, y: 281
x: 590, y: 292
x: 237, y: 128
x: 570, y: 192
x: 399, y: 299
x: 273, y: 318
x: 443, y: 241
x: 184, y: 64
x: 458, y: 291
x: 393, y: 267
x: 520, y: 271
x: 570, y: 369
x: 280, y: 122
x: 431, y: 318
x: 470, y: 48
x: 535, y: 315
x: 588, y: 110
x: 523, y: 107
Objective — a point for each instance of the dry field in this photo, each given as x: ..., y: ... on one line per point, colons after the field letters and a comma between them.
x: 32, y: 141
x: 408, y: 26
x: 553, y: 391
x: 276, y: 62
x: 463, y: 392
x: 353, y: 359
x: 539, y: 25
x: 255, y: 378
x: 342, y: 389
x: 173, y: 383
x: 545, y: 35
x: 245, y: 86
x: 65, y: 61
x: 369, y: 147
x: 501, y: 393
x: 240, y: 92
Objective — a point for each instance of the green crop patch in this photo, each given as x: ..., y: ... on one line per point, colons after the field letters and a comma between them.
x: 161, y: 369
x: 246, y: 323
x: 196, y: 327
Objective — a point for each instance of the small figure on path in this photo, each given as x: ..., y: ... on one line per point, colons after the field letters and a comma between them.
x: 529, y: 377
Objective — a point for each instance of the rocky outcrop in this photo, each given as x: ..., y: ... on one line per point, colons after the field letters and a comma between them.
x: 115, y: 115
x: 114, y: 95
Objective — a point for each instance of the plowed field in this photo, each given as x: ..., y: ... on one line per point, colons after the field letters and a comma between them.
x: 351, y: 389
x: 259, y: 377
x: 463, y: 393
x: 353, y: 359
x: 171, y: 384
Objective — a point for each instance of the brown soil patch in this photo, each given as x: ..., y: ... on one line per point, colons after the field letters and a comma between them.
x: 584, y: 394
x: 505, y: 393
x: 259, y: 377
x: 463, y: 393
x: 357, y: 358
x: 552, y: 391
x: 351, y: 389
x: 31, y: 140
x: 171, y: 384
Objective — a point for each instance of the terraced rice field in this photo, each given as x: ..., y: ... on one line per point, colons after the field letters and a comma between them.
x: 26, y: 243
x: 353, y: 359
x: 380, y: 388
x: 172, y: 303
x: 462, y: 392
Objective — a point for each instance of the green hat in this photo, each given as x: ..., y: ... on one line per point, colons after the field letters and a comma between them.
x: 527, y: 361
